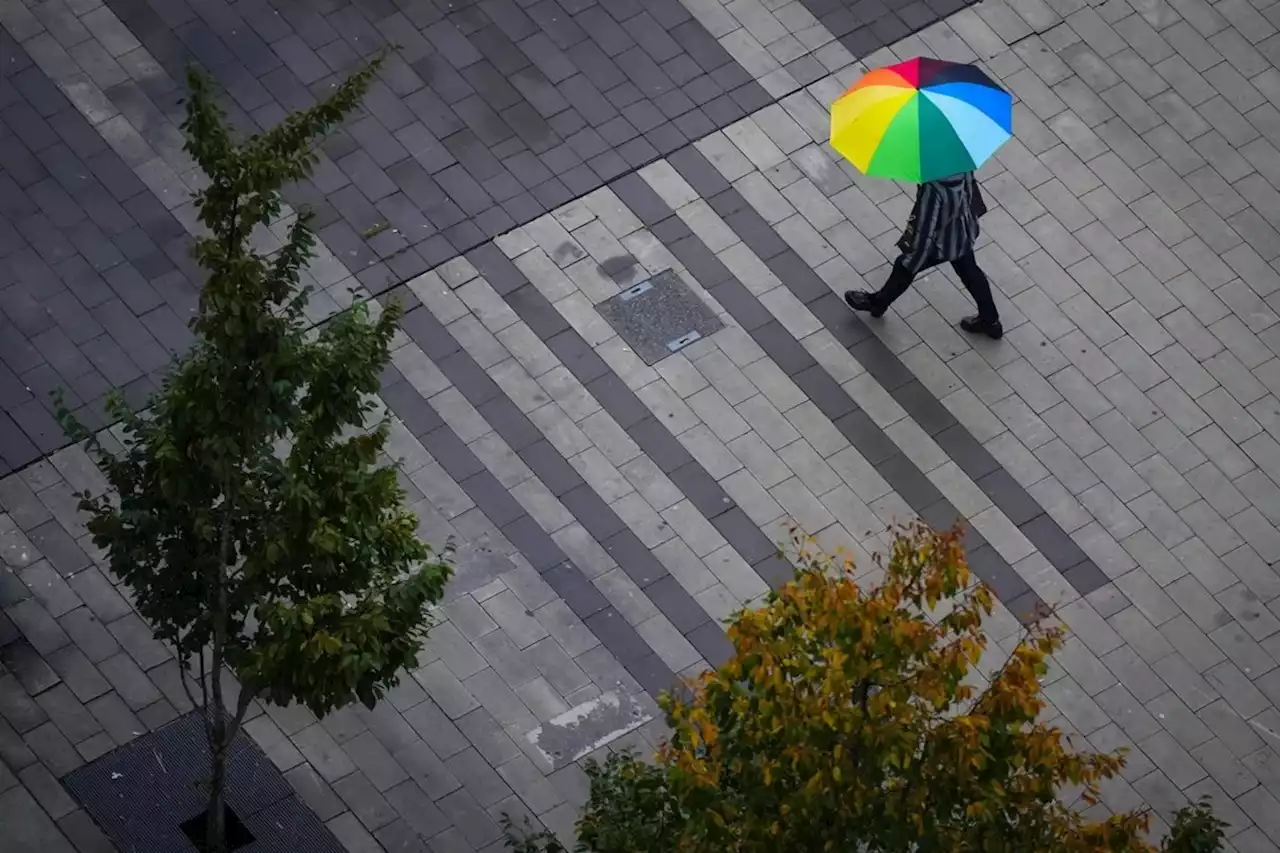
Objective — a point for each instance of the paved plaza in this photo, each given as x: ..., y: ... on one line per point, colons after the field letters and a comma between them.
x: 1115, y: 456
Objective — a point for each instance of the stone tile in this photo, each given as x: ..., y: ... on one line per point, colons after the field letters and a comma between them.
x: 323, y: 753
x: 478, y: 777
x: 1105, y: 165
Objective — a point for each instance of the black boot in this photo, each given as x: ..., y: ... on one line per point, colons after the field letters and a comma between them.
x: 977, y: 325
x: 861, y: 300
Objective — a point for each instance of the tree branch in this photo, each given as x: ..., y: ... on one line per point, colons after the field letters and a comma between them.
x: 1027, y: 633
x: 184, y: 666
x: 204, y: 685
x: 242, y: 707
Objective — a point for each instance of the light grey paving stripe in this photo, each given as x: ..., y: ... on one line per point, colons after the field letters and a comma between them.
x: 476, y: 569
x: 519, y: 527
x: 970, y: 501
x: 698, y: 557
x: 661, y: 612
x: 814, y: 379
x: 582, y: 501
x: 974, y: 459
x: 647, y: 431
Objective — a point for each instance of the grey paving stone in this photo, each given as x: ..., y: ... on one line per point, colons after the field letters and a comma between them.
x: 1175, y: 762
x: 49, y: 588
x: 1076, y: 705
x: 32, y: 671
x: 37, y: 626
x: 116, y: 718
x: 78, y: 673
x: 469, y: 818
x: 344, y: 724
x: 365, y: 802
x: 98, y: 594
x: 136, y: 638
x: 68, y: 714
x: 51, y: 796
x: 416, y: 808
x: 1185, y: 681
x: 488, y: 736
x: 325, y: 755
x: 478, y: 777
x: 314, y: 791
x: 352, y: 835
x: 89, y: 634
x: 53, y: 749
x: 1127, y: 712
x: 394, y: 729
x: 510, y: 613
x: 83, y: 833
x: 1134, y: 673
x: 374, y: 761
x: 1231, y: 729
x: 446, y: 689
x: 507, y: 659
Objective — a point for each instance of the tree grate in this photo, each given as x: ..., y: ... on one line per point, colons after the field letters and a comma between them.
x: 142, y: 794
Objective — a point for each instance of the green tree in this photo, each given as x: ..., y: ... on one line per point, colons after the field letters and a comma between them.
x: 250, y: 514
x: 1195, y: 830
x: 848, y: 719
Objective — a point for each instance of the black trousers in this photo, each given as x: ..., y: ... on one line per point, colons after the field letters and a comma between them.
x: 966, y: 267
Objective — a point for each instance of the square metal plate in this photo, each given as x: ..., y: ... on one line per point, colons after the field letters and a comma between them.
x: 659, y: 316
x: 141, y: 793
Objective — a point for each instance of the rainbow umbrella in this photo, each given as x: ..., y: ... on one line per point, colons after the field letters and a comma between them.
x: 921, y: 120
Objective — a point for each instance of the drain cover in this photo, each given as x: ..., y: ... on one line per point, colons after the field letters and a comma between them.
x: 142, y: 793
x: 659, y: 316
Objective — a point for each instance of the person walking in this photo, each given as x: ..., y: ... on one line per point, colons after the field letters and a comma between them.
x: 943, y: 227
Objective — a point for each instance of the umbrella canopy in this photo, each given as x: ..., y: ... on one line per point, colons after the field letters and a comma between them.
x: 921, y: 120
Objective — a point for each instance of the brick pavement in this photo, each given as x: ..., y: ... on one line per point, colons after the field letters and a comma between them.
x: 96, y: 283
x: 491, y: 114
x: 1115, y: 455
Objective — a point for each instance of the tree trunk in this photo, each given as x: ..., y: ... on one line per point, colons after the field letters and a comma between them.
x: 219, y: 742
x: 215, y: 817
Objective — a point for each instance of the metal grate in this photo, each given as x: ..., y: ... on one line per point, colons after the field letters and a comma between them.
x: 659, y: 316
x: 142, y: 793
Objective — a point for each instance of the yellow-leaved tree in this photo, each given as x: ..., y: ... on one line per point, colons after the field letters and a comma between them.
x: 847, y: 722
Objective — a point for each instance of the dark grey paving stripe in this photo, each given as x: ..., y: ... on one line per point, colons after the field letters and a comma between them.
x: 927, y: 411
x: 496, y: 502
x: 832, y: 400
x: 866, y: 26
x: 485, y: 119
x: 491, y: 117
x: 633, y: 415
x: 425, y: 160
x: 582, y: 501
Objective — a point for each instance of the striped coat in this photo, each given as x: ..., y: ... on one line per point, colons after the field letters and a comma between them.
x: 943, y: 224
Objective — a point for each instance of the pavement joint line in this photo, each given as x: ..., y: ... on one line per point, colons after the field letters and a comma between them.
x: 83, y: 90
x: 559, y: 476
x: 898, y: 380
x: 489, y: 340
x: 845, y: 414
x: 721, y: 197
x: 1137, y: 422
x: 85, y: 94
x: 581, y: 500
x: 647, y: 431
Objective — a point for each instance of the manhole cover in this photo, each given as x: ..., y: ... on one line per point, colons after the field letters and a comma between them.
x: 659, y: 316
x: 143, y: 793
